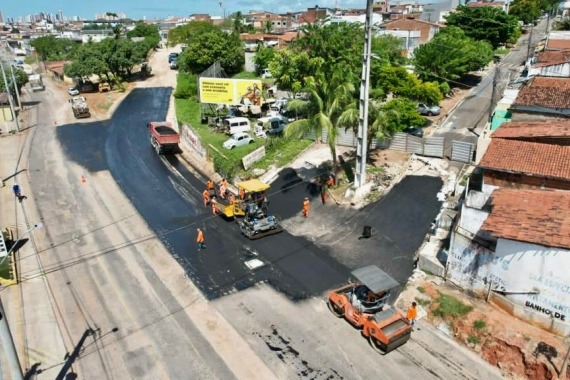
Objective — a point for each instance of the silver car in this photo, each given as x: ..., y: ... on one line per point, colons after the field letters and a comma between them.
x: 427, y: 110
x: 238, y: 139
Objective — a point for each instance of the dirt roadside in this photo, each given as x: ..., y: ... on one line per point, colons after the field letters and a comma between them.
x: 519, y: 349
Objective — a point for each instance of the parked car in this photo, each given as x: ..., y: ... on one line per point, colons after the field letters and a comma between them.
x: 238, y: 139
x: 414, y: 131
x: 104, y: 87
x: 172, y: 57
x: 265, y: 73
x: 428, y: 110
x: 174, y: 65
x: 73, y: 91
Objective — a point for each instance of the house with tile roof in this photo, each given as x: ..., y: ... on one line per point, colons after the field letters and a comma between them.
x: 411, y: 31
x: 551, y: 63
x: 512, y: 233
x: 542, y: 97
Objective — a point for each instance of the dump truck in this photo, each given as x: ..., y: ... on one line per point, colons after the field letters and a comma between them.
x: 363, y: 303
x: 250, y: 210
x: 163, y: 138
x: 79, y: 107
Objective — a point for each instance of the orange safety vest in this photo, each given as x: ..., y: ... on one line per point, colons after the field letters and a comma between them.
x: 200, y: 237
x: 412, y: 313
x: 210, y: 184
x: 206, y: 194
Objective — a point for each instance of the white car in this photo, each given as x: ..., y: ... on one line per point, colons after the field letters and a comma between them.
x: 265, y: 73
x: 238, y: 139
x: 72, y: 91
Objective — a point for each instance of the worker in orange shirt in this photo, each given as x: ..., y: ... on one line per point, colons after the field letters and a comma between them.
x: 330, y: 181
x: 223, y: 190
x: 241, y: 193
x: 232, y: 198
x: 412, y: 314
x: 200, y: 239
x: 214, y: 206
x: 306, y: 206
x: 206, y: 197
x: 210, y: 184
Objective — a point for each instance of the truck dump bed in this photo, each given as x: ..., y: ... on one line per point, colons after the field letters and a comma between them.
x: 163, y: 137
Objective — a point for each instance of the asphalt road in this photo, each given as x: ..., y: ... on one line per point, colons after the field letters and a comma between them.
x: 469, y: 118
x: 168, y: 197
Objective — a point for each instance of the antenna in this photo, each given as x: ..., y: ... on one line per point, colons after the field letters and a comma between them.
x: 221, y: 3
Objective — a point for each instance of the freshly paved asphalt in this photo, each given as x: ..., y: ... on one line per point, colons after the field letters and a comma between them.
x: 168, y: 197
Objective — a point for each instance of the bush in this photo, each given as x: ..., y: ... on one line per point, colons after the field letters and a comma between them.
x: 226, y: 168
x: 421, y: 289
x: 186, y: 86
x: 479, y: 324
x: 422, y: 302
x: 451, y: 307
x: 444, y: 88
x: 473, y: 339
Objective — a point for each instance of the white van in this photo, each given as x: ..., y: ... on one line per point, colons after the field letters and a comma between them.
x: 236, y: 124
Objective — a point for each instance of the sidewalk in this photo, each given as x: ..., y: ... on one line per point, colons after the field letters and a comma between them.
x: 21, y: 305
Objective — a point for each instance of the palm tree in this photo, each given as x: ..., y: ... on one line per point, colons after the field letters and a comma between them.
x: 379, y: 121
x: 238, y: 23
x: 326, y: 101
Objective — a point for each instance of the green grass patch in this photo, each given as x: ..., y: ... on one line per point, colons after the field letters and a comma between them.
x: 422, y: 302
x: 246, y: 75
x: 374, y: 170
x: 473, y: 339
x: 279, y: 151
x: 450, y: 307
x: 479, y: 324
x: 5, y: 269
x: 421, y: 289
x: 428, y: 272
x: 502, y: 51
x: 30, y: 60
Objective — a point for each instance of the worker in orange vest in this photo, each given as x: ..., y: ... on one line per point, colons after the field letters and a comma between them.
x: 412, y: 314
x: 232, y: 198
x: 223, y: 190
x: 241, y: 193
x: 200, y: 239
x: 214, y: 206
x: 306, y: 205
x: 206, y: 197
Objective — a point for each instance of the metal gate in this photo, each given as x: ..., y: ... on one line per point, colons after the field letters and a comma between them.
x: 461, y: 151
x: 430, y: 146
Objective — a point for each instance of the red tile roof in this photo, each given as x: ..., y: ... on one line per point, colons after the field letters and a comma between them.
x: 548, y: 92
x: 480, y: 4
x: 530, y: 129
x: 532, y: 216
x: 538, y: 159
x: 552, y: 57
x: 558, y: 44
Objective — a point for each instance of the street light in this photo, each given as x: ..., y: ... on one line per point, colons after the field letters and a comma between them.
x: 35, y: 227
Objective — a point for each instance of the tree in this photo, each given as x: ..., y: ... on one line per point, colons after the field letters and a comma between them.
x: 388, y: 48
x: 21, y: 80
x: 89, y: 60
x: 291, y: 67
x: 238, y: 25
x: 149, y: 32
x: 562, y: 25
x: 263, y: 56
x: 328, y: 97
x: 184, y: 34
x: 528, y: 11
x: 398, y: 82
x: 268, y: 26
x: 209, y: 47
x: 484, y: 24
x: 50, y: 48
x: 450, y: 55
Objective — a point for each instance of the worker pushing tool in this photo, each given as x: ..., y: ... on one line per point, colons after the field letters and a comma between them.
x: 214, y: 203
x: 306, y: 207
x: 200, y: 239
x: 206, y: 197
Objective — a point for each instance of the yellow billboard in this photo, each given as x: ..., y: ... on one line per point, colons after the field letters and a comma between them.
x: 230, y: 91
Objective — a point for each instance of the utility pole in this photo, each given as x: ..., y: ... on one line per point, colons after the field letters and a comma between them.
x: 9, y: 347
x: 9, y: 96
x: 16, y: 87
x: 529, y: 44
x: 493, y: 91
x: 361, y: 139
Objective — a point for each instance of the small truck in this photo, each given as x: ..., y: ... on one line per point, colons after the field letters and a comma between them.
x: 363, y: 304
x: 163, y: 138
x: 79, y: 107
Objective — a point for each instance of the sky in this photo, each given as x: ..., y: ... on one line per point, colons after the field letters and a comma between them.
x: 137, y: 9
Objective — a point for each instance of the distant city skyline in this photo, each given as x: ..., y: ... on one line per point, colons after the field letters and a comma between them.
x: 139, y: 9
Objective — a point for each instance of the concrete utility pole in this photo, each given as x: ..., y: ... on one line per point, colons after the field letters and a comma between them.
x: 16, y: 87
x: 9, y: 97
x: 9, y: 347
x: 361, y: 139
x: 493, y: 91
x: 529, y: 44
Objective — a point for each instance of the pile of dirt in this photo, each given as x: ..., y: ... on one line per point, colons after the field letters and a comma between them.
x: 519, y: 349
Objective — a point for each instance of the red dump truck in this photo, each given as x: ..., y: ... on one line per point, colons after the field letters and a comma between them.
x: 163, y: 138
